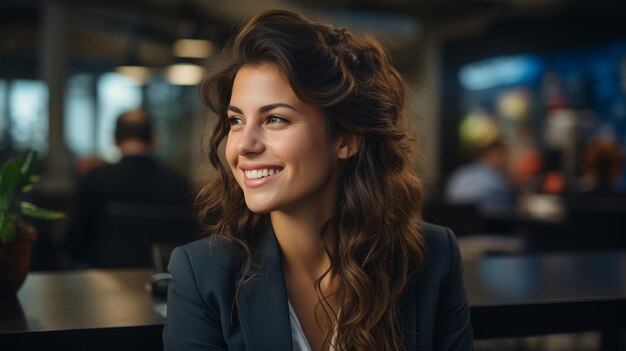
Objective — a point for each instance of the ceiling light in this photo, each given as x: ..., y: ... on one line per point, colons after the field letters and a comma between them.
x: 184, y: 74
x: 138, y: 74
x: 193, y: 48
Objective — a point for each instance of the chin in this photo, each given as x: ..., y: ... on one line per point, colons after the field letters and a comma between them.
x: 260, y: 207
x: 259, y: 210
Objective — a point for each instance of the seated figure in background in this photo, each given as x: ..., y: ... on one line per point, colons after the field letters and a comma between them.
x: 483, y: 182
x: 596, y: 210
x: 137, y: 193
x: 603, y: 160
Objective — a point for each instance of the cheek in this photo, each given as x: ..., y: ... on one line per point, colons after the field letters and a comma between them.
x: 308, y: 140
x: 230, y: 152
x: 310, y: 152
x: 232, y: 157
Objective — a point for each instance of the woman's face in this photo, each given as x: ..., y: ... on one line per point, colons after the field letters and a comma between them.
x: 278, y: 148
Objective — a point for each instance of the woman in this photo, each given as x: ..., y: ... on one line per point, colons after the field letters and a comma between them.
x: 315, y: 242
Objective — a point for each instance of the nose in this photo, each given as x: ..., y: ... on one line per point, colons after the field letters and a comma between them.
x: 250, y: 140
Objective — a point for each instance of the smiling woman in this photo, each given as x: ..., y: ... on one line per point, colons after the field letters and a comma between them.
x: 314, y: 238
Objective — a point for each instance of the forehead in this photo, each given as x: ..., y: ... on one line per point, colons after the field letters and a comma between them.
x: 265, y: 80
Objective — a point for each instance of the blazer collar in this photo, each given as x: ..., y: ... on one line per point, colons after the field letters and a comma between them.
x: 262, y: 301
x: 263, y: 309
x: 270, y: 260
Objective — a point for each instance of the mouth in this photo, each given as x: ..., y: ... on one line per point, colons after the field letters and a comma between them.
x: 261, y: 173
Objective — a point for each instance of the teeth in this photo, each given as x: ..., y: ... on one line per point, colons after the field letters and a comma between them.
x: 260, y: 173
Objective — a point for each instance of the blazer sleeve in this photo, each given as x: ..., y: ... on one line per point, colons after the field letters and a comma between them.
x: 192, y: 323
x: 453, y: 329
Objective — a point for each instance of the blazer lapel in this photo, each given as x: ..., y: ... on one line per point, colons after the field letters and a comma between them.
x: 262, y: 301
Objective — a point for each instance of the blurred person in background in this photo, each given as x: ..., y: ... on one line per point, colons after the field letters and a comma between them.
x: 484, y: 182
x: 603, y: 161
x: 138, y: 179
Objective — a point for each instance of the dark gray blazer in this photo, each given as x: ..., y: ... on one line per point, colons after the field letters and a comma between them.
x: 201, y: 316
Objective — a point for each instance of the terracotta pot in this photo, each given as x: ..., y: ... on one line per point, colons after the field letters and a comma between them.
x: 15, y: 262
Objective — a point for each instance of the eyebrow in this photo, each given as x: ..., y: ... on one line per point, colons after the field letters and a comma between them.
x: 265, y: 108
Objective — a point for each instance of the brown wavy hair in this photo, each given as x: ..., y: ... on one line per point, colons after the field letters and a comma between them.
x: 376, y: 246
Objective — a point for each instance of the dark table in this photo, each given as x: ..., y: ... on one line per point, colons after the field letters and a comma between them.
x: 537, y: 294
x: 83, y: 310
x: 509, y: 296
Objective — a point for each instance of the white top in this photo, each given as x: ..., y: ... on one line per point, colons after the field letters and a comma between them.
x: 297, y: 334
x: 298, y: 338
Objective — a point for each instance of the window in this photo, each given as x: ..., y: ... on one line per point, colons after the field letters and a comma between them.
x: 28, y: 115
x: 80, y: 118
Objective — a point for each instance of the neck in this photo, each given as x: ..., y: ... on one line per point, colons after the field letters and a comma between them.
x: 132, y: 146
x: 299, y: 237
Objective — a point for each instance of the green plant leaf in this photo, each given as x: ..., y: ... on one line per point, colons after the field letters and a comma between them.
x: 28, y: 168
x: 34, y: 211
x: 7, y: 227
x: 9, y: 183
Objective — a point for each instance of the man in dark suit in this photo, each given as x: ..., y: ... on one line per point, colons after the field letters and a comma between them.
x: 121, y: 209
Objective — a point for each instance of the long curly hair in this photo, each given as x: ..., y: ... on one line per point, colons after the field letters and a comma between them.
x: 376, y: 246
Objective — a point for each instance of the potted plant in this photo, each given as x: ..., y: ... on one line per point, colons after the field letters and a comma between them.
x: 16, y: 236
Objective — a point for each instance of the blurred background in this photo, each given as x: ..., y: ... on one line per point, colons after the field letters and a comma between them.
x: 545, y: 76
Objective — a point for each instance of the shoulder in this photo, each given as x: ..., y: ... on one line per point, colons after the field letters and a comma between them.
x: 100, y: 171
x: 205, y: 271
x: 441, y: 307
x: 439, y: 240
x: 211, y: 255
x: 169, y: 175
x: 466, y: 170
x: 99, y: 176
x: 442, y: 257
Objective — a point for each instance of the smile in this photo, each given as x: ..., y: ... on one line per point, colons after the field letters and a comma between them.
x: 261, y: 173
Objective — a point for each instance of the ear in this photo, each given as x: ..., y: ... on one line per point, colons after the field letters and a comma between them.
x: 347, y: 145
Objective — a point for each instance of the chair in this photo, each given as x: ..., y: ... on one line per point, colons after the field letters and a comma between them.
x: 596, y: 223
x: 161, y: 252
x: 464, y: 219
x: 129, y: 230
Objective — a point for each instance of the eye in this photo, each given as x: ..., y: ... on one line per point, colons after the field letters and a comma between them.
x: 273, y: 119
x: 235, y: 121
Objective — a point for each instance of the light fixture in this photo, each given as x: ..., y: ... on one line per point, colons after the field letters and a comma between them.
x: 184, y: 74
x: 193, y: 48
x: 138, y: 74
x: 131, y: 67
